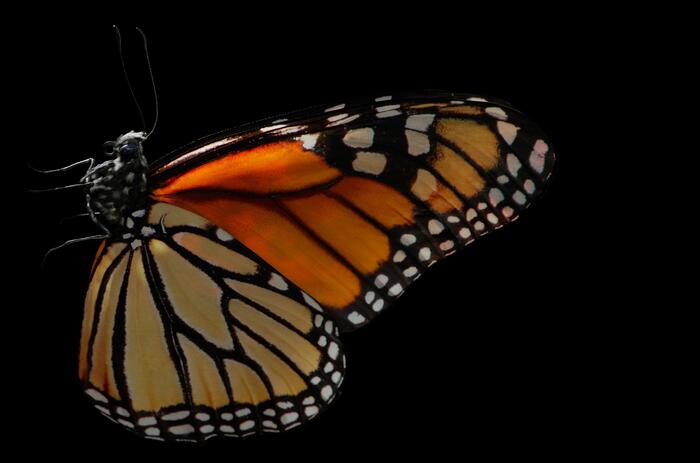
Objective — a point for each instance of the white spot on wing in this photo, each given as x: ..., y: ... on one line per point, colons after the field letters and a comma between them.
x: 407, y: 239
x: 529, y: 186
x: 242, y: 412
x: 369, y: 297
x: 390, y: 107
x: 519, y: 197
x: 181, y: 429
x: 333, y: 350
x: 495, y: 196
x: 126, y: 423
x: 424, y: 254
x: 246, y: 425
x: 497, y: 113
x: 513, y: 164
x: 418, y: 143
x: 410, y: 271
x: 537, y: 156
x: 399, y: 256
x: 272, y: 127
x: 338, y: 117
x: 278, y: 282
x: 176, y: 415
x: 96, y: 395
x: 359, y: 138
x: 465, y: 233
x: 383, y: 98
x: 395, y: 290
x: 381, y: 280
x: 378, y: 305
x: 292, y: 129
x: 223, y: 235
x: 309, y: 140
x: 344, y: 121
x: 435, y: 227
x: 356, y: 318
x: 147, y: 421
x: 420, y: 122
x: 447, y: 245
x: 334, y: 108
x: 310, y: 300
x: 541, y: 147
x: 508, y: 131
x: 386, y: 114
x: 369, y: 162
x: 288, y: 418
x: 326, y: 393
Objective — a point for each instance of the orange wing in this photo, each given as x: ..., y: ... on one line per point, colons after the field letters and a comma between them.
x: 352, y: 205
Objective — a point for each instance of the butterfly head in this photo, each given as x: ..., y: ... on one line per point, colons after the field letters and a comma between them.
x: 126, y: 147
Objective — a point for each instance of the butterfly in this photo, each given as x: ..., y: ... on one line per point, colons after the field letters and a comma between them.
x: 229, y: 268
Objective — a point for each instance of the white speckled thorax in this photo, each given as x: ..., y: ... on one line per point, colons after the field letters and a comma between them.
x: 118, y: 186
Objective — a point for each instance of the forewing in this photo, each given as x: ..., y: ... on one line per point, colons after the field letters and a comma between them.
x: 353, y: 203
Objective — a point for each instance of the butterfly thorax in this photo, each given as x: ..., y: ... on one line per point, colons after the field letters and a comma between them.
x: 118, y: 186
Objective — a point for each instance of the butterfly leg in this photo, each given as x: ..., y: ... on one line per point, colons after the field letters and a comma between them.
x: 73, y: 241
x: 93, y: 216
x: 66, y: 168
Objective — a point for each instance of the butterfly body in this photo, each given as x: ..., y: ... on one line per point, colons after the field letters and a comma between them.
x: 119, y: 185
x: 216, y: 304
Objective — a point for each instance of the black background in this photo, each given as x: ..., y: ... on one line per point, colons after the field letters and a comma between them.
x: 499, y: 350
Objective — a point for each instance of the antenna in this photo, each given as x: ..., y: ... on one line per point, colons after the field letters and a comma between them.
x: 126, y: 76
x: 153, y: 81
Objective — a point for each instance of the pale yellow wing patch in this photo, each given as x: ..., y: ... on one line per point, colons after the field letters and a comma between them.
x: 149, y: 366
x: 195, y: 297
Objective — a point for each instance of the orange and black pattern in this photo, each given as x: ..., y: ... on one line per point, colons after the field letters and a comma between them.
x: 215, y: 312
x: 356, y: 205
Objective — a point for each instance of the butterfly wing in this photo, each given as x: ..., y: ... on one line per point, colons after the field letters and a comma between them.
x: 187, y: 335
x: 353, y: 203
x: 216, y: 314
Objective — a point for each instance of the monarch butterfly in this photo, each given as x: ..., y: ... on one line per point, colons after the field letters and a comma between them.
x: 230, y: 267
